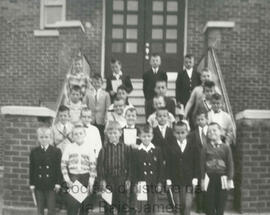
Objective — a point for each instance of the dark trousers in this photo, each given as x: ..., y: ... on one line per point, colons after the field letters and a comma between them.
x: 150, y: 206
x: 199, y: 199
x: 45, y: 199
x: 73, y: 206
x: 215, y: 196
x: 183, y: 199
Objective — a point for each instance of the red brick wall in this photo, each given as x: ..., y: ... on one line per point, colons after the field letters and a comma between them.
x: 244, y: 51
x: 252, y: 166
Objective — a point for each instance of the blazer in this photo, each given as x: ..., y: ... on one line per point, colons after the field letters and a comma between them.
x: 184, y: 85
x: 149, y: 106
x: 149, y: 81
x: 183, y: 166
x: 45, y: 168
x: 98, y: 107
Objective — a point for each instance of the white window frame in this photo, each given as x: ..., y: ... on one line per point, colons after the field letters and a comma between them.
x: 46, y: 3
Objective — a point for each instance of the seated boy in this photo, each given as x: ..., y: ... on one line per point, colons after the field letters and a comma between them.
x: 182, y: 168
x: 148, y: 167
x: 75, y: 104
x: 62, y: 129
x: 116, y: 79
x: 217, y: 170
x: 160, y: 90
x: 159, y: 103
x: 78, y: 163
x: 45, y: 171
x: 92, y: 133
x: 117, y: 113
x: 114, y: 164
x: 99, y: 102
x: 222, y: 118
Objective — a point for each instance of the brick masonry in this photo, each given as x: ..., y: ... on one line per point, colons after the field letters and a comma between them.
x: 252, y: 165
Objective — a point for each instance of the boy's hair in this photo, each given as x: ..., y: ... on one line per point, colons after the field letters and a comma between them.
x: 202, y: 111
x: 97, y: 76
x: 76, y: 88
x: 111, y: 125
x: 162, y: 108
x: 85, y: 109
x: 155, y: 55
x: 118, y: 99
x: 215, y: 123
x: 63, y: 108
x: 189, y: 56
x: 160, y: 79
x: 113, y: 61
x: 205, y: 70
x: 146, y: 129
x: 43, y: 129
x: 182, y: 123
x: 122, y: 87
x: 131, y: 109
x: 78, y: 125
x: 217, y: 97
x: 209, y: 84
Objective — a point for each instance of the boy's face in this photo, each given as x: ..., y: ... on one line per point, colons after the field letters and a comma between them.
x: 189, y: 63
x: 201, y: 120
x: 78, y: 135
x: 97, y: 83
x: 63, y: 117
x: 162, y: 117
x: 86, y: 117
x: 115, y: 67
x: 114, y: 135
x: 45, y: 137
x: 213, y: 133
x: 209, y: 92
x: 158, y: 103
x: 131, y: 117
x: 118, y: 107
x: 205, y: 76
x: 180, y: 132
x: 216, y: 105
x: 122, y: 94
x: 155, y: 61
x: 161, y: 88
x: 146, y: 138
x: 75, y: 96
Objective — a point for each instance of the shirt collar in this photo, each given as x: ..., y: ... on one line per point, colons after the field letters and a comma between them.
x: 148, y: 148
x: 155, y: 70
x: 45, y: 147
x: 218, y: 143
x: 117, y: 76
x: 184, y: 142
x: 133, y: 126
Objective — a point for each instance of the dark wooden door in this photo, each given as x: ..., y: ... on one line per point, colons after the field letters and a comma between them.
x: 137, y: 28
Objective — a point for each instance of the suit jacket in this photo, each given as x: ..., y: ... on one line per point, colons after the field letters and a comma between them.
x: 98, y: 107
x: 149, y: 106
x: 149, y: 81
x: 184, y: 85
x: 183, y: 166
x: 45, y: 168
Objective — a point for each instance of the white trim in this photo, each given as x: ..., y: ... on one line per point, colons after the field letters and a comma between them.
x: 28, y: 111
x: 218, y: 24
x: 253, y: 114
x: 185, y: 27
x: 46, y: 33
x: 103, y: 39
x: 68, y: 24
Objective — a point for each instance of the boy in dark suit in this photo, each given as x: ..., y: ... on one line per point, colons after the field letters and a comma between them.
x: 186, y: 81
x: 182, y: 168
x: 116, y: 79
x: 45, y: 171
x: 148, y: 167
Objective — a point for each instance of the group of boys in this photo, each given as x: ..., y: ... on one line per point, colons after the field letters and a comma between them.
x: 99, y: 144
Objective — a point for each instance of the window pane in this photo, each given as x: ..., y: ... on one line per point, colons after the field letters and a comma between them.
x: 171, y: 34
x: 157, y: 20
x: 171, y: 48
x: 132, y: 5
x: 117, y: 33
x: 157, y: 47
x: 157, y: 34
x: 171, y: 20
x: 158, y: 6
x: 117, y: 47
x: 132, y: 34
x: 118, y: 19
x: 131, y: 47
x: 53, y: 14
x: 172, y: 6
x: 118, y: 5
x: 132, y: 19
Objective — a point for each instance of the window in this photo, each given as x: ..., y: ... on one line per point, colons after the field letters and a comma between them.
x: 52, y: 11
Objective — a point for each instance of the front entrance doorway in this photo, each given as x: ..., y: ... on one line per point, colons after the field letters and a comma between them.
x: 137, y: 28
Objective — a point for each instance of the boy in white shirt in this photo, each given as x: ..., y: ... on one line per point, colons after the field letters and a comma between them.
x: 117, y: 114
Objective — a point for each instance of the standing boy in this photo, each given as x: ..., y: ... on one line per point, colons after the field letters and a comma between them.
x: 117, y: 113
x: 45, y: 172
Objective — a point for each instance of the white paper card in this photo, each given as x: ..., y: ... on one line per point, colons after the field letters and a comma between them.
x: 230, y: 184
x: 206, y: 182
x: 130, y: 136
x: 116, y: 84
x: 107, y: 196
x: 78, y: 191
x: 224, y: 184
x: 142, y: 191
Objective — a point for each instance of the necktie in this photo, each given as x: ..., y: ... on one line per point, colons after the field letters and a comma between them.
x: 64, y: 130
